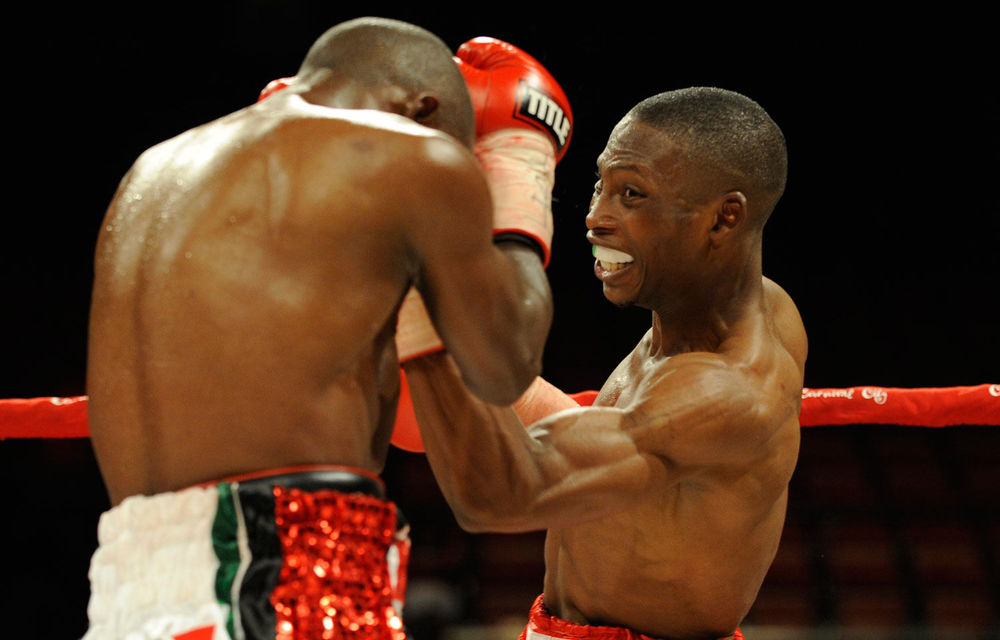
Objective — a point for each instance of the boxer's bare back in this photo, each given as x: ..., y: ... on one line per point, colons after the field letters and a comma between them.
x: 248, y: 276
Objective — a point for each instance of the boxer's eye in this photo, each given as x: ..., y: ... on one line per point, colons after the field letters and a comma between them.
x: 630, y: 193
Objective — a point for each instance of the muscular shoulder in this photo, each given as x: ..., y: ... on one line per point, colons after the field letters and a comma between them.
x: 706, y: 378
x: 705, y: 409
x: 374, y: 136
x: 787, y: 322
x: 372, y: 162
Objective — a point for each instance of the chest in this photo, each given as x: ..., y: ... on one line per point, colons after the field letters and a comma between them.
x: 630, y: 383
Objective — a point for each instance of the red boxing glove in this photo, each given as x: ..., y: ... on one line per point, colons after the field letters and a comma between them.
x: 523, y: 126
x: 510, y: 89
x: 274, y: 86
x: 406, y: 431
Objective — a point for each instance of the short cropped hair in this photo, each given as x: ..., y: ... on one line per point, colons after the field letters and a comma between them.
x: 378, y: 52
x: 727, y: 136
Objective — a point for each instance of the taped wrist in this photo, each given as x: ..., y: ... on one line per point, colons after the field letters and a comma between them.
x: 520, y: 169
x: 523, y: 240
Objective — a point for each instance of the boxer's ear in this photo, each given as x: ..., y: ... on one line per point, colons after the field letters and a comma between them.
x: 422, y: 108
x: 730, y: 211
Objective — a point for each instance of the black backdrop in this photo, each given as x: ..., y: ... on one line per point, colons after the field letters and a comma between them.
x: 887, y: 236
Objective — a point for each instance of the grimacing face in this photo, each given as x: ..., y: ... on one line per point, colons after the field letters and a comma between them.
x: 646, y: 231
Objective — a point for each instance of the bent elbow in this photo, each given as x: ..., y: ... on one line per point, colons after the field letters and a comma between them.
x: 472, y: 524
x: 471, y: 514
x: 490, y: 511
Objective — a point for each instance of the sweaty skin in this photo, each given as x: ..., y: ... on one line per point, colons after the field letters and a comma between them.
x: 665, y: 501
x: 716, y: 439
x: 248, y: 276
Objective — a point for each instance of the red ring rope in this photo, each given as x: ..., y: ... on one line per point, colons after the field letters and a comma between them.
x: 44, y: 418
x: 55, y: 417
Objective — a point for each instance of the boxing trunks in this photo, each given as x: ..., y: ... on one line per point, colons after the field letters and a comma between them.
x: 544, y: 626
x: 288, y: 554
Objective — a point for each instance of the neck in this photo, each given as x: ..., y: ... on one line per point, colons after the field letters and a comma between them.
x: 328, y: 89
x: 703, y: 316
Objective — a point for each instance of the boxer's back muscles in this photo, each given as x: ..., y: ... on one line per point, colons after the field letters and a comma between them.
x: 247, y: 280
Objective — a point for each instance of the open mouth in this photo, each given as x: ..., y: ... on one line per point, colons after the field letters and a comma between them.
x: 611, y: 259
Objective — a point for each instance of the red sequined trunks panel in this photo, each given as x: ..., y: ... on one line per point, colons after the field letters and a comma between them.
x: 334, y: 581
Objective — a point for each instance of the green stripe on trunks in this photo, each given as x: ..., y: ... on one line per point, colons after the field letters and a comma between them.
x: 225, y: 541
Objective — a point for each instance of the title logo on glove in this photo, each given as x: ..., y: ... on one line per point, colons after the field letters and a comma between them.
x: 534, y: 105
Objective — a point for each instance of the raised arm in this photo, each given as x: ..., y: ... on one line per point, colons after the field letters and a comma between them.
x: 487, y: 303
x: 581, y: 463
x: 523, y: 126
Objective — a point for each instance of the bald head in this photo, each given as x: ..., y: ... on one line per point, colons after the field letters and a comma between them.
x: 379, y: 52
x: 730, y: 141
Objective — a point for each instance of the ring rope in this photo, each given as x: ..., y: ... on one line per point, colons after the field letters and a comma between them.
x: 66, y: 417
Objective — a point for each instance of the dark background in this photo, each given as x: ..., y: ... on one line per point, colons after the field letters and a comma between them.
x: 886, y: 236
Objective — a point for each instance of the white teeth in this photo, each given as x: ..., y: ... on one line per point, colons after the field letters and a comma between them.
x: 606, y: 255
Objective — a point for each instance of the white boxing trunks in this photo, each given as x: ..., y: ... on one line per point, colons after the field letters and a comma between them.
x: 284, y: 554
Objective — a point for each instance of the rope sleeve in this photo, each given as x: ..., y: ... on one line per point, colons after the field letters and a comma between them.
x: 55, y: 417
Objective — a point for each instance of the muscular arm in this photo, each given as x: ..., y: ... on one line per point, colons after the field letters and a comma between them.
x: 491, y: 304
x: 494, y: 319
x: 581, y: 463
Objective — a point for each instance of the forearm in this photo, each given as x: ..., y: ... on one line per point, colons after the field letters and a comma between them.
x: 492, y: 314
x: 530, y: 316
x: 477, y: 451
x: 542, y: 399
x: 499, y: 476
x: 496, y: 333
x: 517, y: 150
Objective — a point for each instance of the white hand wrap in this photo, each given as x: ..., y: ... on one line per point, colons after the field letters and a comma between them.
x: 520, y: 167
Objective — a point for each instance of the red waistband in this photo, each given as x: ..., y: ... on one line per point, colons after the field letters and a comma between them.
x: 277, y: 471
x: 543, y: 622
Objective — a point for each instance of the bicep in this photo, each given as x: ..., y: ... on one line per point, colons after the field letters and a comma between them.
x: 497, y: 475
x: 587, y: 464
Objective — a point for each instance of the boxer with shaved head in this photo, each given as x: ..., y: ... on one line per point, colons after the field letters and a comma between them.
x: 247, y: 327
